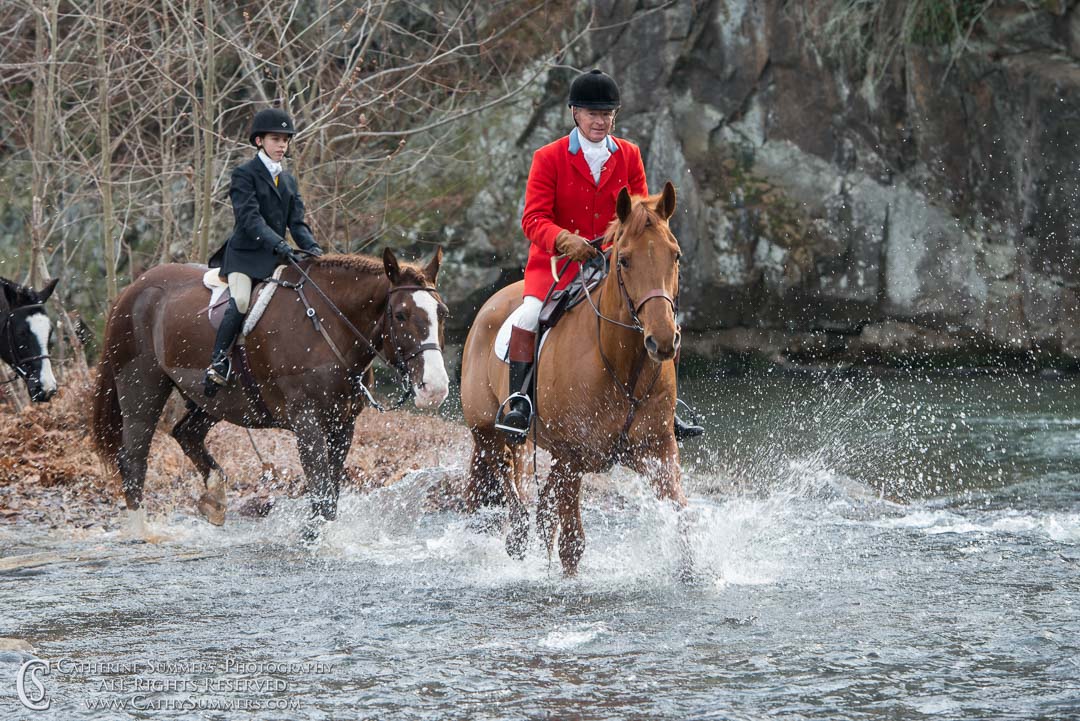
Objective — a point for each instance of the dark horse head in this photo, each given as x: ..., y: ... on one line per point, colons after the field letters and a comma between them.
x: 25, y: 330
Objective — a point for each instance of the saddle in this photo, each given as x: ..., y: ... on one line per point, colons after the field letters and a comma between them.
x: 560, y: 301
x: 556, y: 305
x: 261, y: 295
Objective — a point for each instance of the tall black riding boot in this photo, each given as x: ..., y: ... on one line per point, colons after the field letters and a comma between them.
x: 684, y: 430
x: 514, y: 422
x: 217, y: 374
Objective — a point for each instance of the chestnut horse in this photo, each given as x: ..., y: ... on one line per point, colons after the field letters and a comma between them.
x: 605, y: 389
x: 25, y: 330
x: 158, y: 339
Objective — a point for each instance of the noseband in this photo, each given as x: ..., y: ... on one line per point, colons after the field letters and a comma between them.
x: 8, y: 333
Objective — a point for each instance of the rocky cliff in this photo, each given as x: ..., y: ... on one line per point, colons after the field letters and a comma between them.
x: 856, y: 180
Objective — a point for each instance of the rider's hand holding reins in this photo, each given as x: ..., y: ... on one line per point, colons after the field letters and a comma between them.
x: 574, y: 247
x: 286, y: 252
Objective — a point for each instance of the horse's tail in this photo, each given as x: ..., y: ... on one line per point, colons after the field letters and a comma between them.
x: 106, y: 421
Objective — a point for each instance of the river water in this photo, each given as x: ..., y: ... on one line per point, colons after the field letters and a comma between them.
x: 900, y: 547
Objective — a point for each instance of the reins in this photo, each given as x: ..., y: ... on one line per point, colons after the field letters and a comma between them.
x: 9, y: 338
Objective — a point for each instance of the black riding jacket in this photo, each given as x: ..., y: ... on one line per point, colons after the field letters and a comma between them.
x: 263, y: 211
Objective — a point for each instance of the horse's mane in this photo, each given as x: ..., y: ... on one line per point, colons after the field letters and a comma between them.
x: 372, y: 266
x: 641, y: 211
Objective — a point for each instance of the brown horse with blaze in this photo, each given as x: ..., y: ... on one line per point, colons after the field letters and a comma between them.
x: 605, y: 386
x: 303, y: 379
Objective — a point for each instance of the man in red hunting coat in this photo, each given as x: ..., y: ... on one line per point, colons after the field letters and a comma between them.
x: 569, y: 200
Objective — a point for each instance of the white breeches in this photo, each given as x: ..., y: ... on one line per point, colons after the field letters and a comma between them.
x: 530, y: 314
x: 240, y: 290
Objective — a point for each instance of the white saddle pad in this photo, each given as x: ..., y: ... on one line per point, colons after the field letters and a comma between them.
x: 217, y: 287
x: 502, y: 338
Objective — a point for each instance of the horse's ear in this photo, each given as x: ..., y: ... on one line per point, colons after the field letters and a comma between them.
x: 11, y: 292
x: 390, y: 263
x: 622, y: 205
x: 431, y: 270
x: 665, y: 207
x: 44, y: 293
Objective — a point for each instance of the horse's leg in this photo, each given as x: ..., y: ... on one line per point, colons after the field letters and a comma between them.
x: 487, y: 470
x: 190, y: 432
x: 322, y: 483
x: 561, y: 499
x: 338, y: 441
x: 661, y: 467
x: 517, y: 540
x: 142, y: 394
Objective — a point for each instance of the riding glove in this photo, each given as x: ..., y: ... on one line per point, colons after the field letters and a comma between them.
x: 315, y: 251
x: 575, y: 247
x: 286, y: 252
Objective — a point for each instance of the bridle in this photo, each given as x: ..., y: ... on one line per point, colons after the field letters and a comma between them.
x: 636, y: 308
x: 399, y: 364
x: 633, y: 308
x: 7, y: 332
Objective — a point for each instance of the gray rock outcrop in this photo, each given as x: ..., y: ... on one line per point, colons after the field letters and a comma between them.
x: 899, y: 185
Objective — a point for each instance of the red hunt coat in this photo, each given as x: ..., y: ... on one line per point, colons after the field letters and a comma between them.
x: 561, y: 195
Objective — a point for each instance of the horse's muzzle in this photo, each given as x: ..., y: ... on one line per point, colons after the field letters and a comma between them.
x: 39, y: 394
x: 661, y: 352
x: 426, y: 398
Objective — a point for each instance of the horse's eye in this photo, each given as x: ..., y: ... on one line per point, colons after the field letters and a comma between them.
x: 624, y: 261
x: 400, y: 316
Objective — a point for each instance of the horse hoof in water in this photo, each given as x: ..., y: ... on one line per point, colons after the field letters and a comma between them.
x: 137, y: 525
x: 687, y: 575
x: 311, y: 531
x: 517, y: 541
x: 211, y: 503
x: 487, y: 522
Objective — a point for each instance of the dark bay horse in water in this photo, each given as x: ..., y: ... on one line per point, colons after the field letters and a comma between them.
x: 605, y: 389
x: 303, y: 379
x: 25, y: 330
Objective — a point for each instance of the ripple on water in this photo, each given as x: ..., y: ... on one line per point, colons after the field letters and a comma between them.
x: 572, y: 638
x: 1055, y: 526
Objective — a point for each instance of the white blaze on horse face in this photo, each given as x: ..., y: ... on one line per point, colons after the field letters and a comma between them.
x: 432, y: 391
x: 40, y: 327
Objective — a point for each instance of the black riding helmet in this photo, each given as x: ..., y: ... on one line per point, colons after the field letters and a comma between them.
x: 271, y: 120
x: 594, y: 91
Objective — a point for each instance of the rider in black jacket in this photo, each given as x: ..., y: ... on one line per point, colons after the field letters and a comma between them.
x: 265, y: 202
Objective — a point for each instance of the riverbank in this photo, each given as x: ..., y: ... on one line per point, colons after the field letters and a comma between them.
x: 877, y: 348
x: 50, y: 475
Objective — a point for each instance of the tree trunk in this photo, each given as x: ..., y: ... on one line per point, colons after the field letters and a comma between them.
x: 209, y: 122
x: 105, y: 143
x: 44, y: 99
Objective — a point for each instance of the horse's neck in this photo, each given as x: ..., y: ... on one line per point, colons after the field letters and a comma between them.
x: 359, y: 295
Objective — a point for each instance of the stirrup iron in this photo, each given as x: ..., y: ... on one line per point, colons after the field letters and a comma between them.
x: 506, y: 407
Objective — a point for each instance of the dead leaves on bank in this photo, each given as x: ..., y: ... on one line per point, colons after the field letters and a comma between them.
x: 50, y: 474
